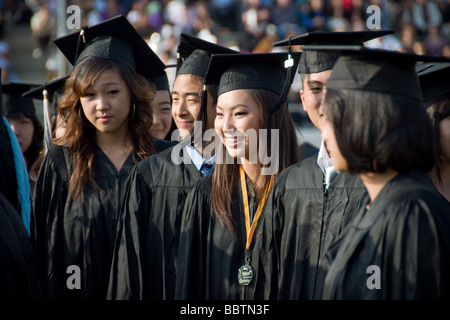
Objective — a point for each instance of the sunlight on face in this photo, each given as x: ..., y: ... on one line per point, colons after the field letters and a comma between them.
x: 238, y: 121
x: 313, y: 93
x: 329, y: 139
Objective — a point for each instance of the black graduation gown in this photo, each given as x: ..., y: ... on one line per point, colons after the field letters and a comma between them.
x: 144, y: 262
x: 405, y: 233
x: 210, y: 256
x: 18, y: 273
x: 77, y: 233
x: 305, y: 220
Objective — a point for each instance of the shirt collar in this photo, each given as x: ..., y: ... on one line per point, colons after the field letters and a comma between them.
x: 323, y: 159
x: 197, y: 158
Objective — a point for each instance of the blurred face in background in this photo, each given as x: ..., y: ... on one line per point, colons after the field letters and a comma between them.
x: 312, y: 94
x: 162, y: 115
x: 23, y: 128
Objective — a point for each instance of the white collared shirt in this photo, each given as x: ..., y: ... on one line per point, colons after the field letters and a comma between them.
x: 197, y: 158
x: 323, y: 159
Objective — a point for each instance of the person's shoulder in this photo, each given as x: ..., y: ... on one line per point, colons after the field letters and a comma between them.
x: 161, y: 145
x: 57, y: 154
x: 292, y: 176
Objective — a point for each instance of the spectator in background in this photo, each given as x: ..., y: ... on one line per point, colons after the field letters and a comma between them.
x: 255, y: 18
x: 318, y: 16
x: 407, y: 37
x: 42, y: 27
x: 425, y: 13
x: 283, y: 14
x: 434, y: 41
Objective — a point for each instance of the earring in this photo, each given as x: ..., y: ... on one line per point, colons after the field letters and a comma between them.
x: 134, y: 111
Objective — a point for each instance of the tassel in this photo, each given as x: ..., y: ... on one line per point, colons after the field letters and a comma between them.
x: 204, y: 107
x: 179, y: 61
x: 289, y: 65
x: 202, y: 116
x: 47, y: 123
x: 80, y: 36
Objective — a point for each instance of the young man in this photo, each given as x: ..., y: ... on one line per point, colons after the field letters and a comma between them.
x: 156, y: 190
x: 310, y: 207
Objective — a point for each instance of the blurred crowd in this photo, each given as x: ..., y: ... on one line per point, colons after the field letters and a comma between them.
x: 422, y: 26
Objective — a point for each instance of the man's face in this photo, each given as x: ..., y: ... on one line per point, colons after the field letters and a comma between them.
x: 314, y: 88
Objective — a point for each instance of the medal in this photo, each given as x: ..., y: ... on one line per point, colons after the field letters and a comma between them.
x: 245, y: 273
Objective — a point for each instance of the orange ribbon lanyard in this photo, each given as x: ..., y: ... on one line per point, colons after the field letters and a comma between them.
x: 251, y: 230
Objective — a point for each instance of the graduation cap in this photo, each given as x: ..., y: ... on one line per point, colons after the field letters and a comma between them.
x: 318, y: 61
x: 375, y: 70
x: 13, y: 101
x: 193, y: 55
x: 434, y: 80
x: 253, y: 71
x: 114, y: 39
x: 49, y: 93
x: 54, y: 88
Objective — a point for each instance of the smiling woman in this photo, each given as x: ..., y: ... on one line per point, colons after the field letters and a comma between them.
x: 229, y: 204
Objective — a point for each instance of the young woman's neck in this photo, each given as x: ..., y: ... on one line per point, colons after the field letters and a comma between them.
x: 374, y: 182
x: 251, y: 170
x: 118, y: 140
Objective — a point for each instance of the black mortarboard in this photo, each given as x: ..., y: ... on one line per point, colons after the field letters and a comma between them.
x: 13, y: 101
x: 375, y: 70
x: 318, y: 61
x: 434, y: 80
x: 160, y: 80
x: 55, y: 89
x: 194, y: 54
x: 252, y: 71
x: 113, y: 39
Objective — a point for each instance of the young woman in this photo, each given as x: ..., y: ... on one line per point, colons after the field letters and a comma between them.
x: 435, y: 85
x: 398, y: 245
x: 106, y: 108
x: 223, y: 214
x: 163, y: 124
x: 158, y: 186
x: 21, y: 115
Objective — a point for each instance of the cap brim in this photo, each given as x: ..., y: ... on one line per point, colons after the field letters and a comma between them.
x: 189, y: 44
x: 375, y: 53
x: 51, y: 87
x: 344, y: 38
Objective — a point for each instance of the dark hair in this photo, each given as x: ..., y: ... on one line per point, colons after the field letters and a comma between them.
x: 438, y: 110
x: 225, y: 175
x: 80, y: 134
x: 376, y: 131
x: 35, y: 148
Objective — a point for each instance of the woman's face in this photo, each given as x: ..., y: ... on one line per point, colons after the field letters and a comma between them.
x: 237, y: 122
x: 329, y: 139
x: 23, y: 128
x: 162, y: 115
x: 107, y: 103
x: 444, y: 136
